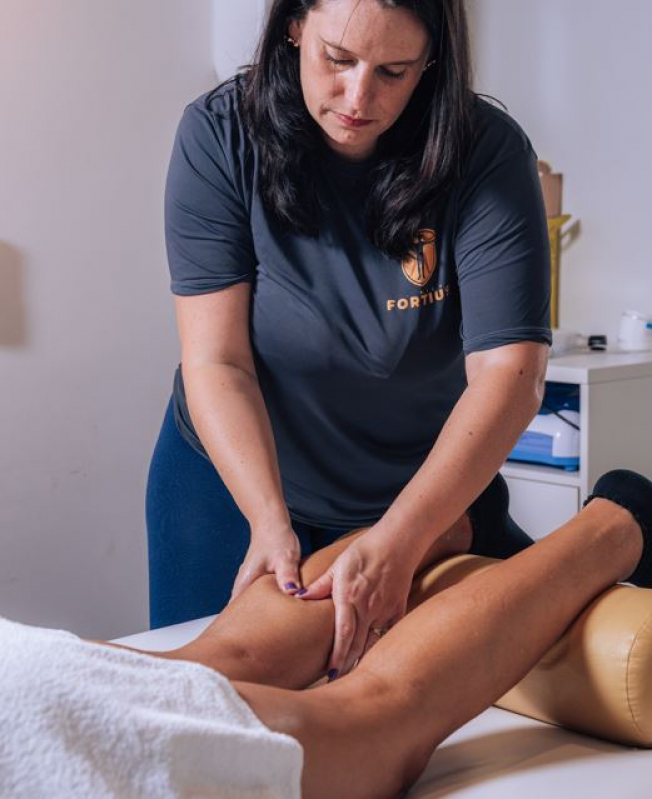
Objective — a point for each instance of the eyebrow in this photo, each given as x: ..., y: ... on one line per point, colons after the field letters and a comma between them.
x: 392, y: 63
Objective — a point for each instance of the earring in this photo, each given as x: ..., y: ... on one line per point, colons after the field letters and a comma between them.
x: 292, y: 41
x: 429, y: 64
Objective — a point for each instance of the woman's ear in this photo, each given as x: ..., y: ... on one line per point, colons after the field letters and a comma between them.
x: 294, y: 30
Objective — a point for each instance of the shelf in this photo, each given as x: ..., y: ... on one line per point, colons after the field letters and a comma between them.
x: 599, y: 367
x: 615, y: 398
x: 541, y: 473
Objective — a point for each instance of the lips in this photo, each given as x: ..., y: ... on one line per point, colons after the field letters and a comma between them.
x: 350, y: 122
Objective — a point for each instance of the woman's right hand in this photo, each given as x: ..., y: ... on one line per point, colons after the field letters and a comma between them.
x: 271, y: 551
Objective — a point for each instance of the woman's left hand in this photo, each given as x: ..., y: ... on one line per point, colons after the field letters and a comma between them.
x: 370, y: 589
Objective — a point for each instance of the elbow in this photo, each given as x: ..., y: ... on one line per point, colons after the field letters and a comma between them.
x: 536, y: 400
x: 539, y: 390
x: 517, y: 371
x: 534, y: 391
x: 517, y: 374
x: 532, y: 367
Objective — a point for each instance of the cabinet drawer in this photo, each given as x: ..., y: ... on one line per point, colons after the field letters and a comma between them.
x: 539, y: 508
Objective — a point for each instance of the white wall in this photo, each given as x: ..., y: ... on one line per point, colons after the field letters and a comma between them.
x: 235, y: 33
x: 91, y: 92
x: 576, y: 75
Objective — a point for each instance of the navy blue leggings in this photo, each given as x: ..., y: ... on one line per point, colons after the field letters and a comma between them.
x: 197, y: 536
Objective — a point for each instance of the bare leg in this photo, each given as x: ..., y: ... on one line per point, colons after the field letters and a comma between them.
x: 267, y: 637
x: 370, y: 734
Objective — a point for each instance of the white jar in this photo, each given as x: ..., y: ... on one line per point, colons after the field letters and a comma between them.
x: 635, y: 334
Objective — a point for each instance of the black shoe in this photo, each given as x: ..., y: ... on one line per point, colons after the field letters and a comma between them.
x: 495, y: 533
x: 633, y: 492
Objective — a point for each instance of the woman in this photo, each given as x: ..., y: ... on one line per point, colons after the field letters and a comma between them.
x: 81, y: 715
x: 359, y: 255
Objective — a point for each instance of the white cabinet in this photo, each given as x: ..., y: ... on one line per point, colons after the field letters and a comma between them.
x: 615, y: 432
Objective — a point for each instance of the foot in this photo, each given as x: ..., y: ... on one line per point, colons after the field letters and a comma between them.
x: 633, y: 492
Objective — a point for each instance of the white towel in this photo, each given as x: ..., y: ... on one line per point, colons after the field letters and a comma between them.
x: 87, y: 720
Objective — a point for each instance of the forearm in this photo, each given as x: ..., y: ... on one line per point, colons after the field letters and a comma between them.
x: 482, y: 429
x: 229, y: 414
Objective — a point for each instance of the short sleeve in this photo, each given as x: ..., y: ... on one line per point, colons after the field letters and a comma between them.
x: 207, y: 227
x: 502, y: 254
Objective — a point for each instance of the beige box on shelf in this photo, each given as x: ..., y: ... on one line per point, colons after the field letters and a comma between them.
x: 552, y: 185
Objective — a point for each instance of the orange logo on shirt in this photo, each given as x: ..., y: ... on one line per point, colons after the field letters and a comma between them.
x: 420, y: 266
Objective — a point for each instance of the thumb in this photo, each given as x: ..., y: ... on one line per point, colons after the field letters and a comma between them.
x: 319, y: 589
x: 288, y: 577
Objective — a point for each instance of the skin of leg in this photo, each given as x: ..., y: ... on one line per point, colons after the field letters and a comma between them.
x: 370, y: 734
x: 267, y: 637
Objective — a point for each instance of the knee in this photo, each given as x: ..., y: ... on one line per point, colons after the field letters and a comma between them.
x: 413, y: 765
x: 395, y: 709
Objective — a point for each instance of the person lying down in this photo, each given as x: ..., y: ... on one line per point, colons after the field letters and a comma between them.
x: 227, y: 715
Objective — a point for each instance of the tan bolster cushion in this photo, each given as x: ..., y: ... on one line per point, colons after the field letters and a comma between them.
x: 597, y: 678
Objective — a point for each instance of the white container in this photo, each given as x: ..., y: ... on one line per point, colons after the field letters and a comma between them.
x: 635, y: 333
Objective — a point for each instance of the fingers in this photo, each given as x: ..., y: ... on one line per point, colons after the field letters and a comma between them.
x: 287, y: 578
x: 357, y: 646
x: 266, y: 555
x: 354, y: 634
x: 350, y: 630
x: 284, y: 563
x: 369, y: 636
x: 346, y: 627
x: 321, y: 588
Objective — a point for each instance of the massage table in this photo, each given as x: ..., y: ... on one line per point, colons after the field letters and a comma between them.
x: 499, y: 754
x: 506, y: 755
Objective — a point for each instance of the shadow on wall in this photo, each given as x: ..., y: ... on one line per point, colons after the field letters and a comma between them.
x: 13, y: 311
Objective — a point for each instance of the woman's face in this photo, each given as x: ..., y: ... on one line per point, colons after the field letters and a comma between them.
x: 360, y: 63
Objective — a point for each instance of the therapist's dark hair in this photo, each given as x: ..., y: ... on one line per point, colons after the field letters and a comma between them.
x: 420, y: 157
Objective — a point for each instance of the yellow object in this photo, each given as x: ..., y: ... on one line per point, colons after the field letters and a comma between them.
x: 555, y: 224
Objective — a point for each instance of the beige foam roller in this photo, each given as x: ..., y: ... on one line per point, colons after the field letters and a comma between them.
x: 597, y: 678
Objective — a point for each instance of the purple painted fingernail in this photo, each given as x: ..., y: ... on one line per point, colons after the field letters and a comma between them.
x: 333, y: 674
x: 301, y: 592
x: 290, y: 586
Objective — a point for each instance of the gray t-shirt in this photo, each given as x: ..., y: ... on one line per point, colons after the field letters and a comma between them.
x: 360, y: 357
